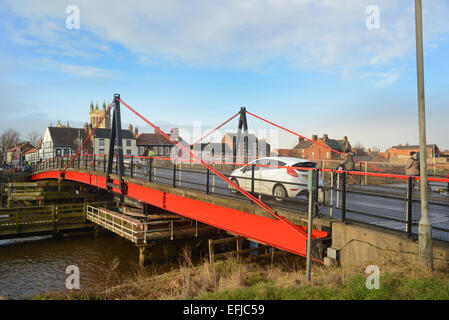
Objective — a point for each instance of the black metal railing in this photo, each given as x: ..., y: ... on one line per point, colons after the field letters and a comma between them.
x: 384, y: 200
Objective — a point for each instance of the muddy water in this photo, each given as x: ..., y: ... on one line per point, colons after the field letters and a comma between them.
x: 37, y: 265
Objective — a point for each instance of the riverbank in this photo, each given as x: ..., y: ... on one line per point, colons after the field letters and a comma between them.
x: 284, y: 279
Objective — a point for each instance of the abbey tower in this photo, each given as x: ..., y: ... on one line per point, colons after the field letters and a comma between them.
x: 96, y: 114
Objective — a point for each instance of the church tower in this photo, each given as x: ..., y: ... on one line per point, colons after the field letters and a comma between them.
x: 96, y: 114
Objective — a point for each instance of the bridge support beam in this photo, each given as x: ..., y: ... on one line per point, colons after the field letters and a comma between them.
x: 238, y: 217
x: 238, y: 150
x: 116, y: 135
x: 144, y: 255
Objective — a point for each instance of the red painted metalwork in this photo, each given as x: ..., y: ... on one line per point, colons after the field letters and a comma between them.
x: 221, y: 125
x: 297, y: 134
x: 265, y: 230
x: 88, y: 137
x: 219, y: 174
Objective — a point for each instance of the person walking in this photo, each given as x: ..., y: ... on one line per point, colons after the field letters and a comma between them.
x: 348, y: 164
x: 349, y: 160
x: 412, y: 165
x: 150, y: 154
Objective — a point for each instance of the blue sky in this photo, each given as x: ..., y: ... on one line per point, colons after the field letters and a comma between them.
x: 312, y: 66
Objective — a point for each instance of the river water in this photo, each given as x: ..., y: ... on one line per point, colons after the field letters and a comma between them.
x: 37, y: 265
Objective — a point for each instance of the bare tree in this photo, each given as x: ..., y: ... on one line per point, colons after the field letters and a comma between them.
x: 34, y: 138
x: 8, y: 138
x: 359, y: 149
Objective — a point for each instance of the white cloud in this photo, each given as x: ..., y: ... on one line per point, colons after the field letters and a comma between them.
x: 239, y: 33
x: 84, y: 72
x: 387, y: 79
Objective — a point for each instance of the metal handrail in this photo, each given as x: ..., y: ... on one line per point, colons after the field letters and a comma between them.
x: 173, y: 177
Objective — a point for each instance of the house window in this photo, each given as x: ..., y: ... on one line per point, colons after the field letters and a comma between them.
x: 167, y: 151
x: 101, y: 151
x: 66, y: 152
x: 161, y: 150
x: 327, y: 155
x: 101, y: 142
x: 313, y: 155
x: 58, y: 152
x: 128, y: 152
x: 128, y: 143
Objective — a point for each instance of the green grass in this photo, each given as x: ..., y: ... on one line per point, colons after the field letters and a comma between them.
x: 238, y: 280
x: 392, y: 287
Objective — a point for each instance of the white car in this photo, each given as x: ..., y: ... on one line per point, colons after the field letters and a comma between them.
x: 136, y: 160
x: 278, y: 182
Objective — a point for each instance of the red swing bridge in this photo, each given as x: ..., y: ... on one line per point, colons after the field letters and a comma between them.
x: 202, y: 192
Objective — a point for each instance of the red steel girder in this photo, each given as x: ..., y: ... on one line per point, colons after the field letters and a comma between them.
x: 261, y: 229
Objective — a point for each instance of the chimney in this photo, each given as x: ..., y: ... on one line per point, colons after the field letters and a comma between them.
x: 136, y: 132
x: 86, y: 127
x: 314, y: 137
x: 300, y: 139
x: 130, y: 128
x: 325, y: 137
x: 345, y: 139
x: 155, y: 131
x: 68, y: 125
x: 174, y: 134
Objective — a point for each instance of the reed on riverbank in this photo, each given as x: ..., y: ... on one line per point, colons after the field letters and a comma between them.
x: 283, y: 279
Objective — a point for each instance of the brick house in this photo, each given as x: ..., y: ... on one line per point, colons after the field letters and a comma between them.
x: 18, y: 153
x: 286, y: 153
x: 401, y: 152
x: 319, y: 148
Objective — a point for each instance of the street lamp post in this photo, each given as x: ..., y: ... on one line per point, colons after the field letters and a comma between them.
x: 425, y: 227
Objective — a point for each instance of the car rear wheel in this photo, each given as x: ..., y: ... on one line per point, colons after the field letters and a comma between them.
x: 279, y: 192
x: 234, y: 181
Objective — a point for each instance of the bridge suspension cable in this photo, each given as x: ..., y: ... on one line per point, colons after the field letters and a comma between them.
x: 216, y: 172
x: 297, y: 134
x: 88, y: 137
x: 221, y: 125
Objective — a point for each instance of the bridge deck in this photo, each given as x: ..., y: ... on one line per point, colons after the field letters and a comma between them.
x: 237, y: 216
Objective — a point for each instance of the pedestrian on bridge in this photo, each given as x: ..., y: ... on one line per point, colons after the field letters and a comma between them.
x: 348, y: 164
x: 412, y: 165
x: 150, y: 154
x: 349, y: 160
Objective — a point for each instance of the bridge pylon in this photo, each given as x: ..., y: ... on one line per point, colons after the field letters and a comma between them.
x: 116, y: 136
